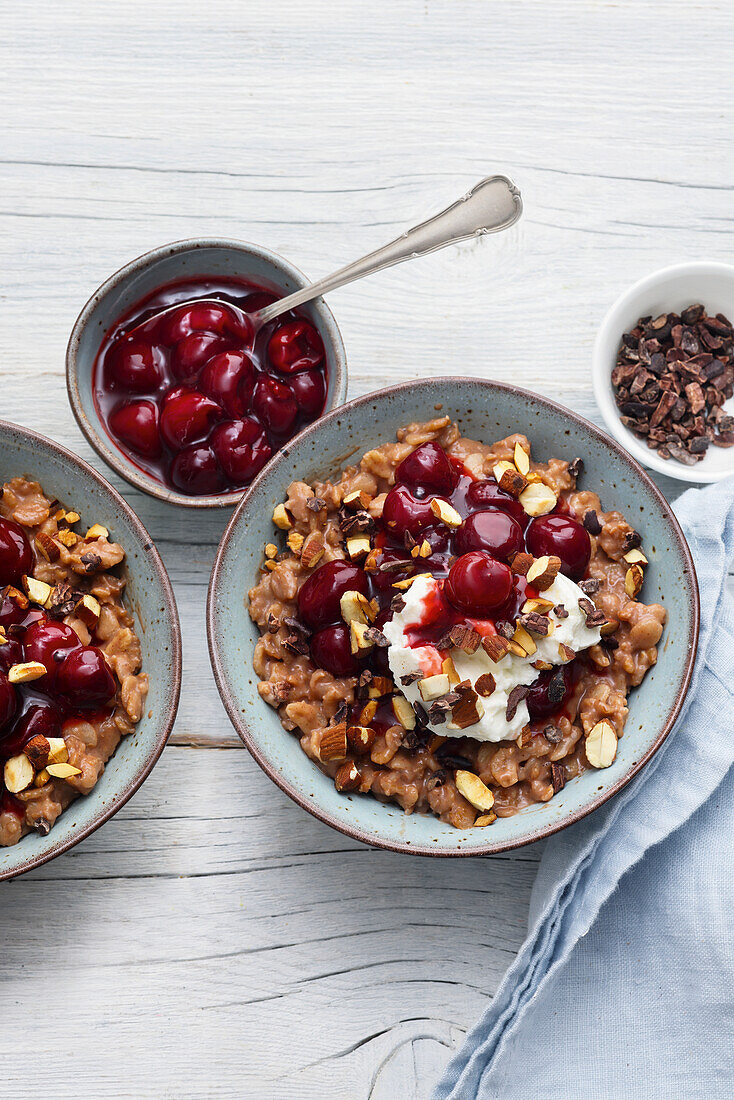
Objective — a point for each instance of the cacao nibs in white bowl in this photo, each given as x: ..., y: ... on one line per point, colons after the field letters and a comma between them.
x: 673, y: 374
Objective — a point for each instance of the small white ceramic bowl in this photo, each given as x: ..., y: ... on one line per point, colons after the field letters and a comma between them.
x: 671, y: 288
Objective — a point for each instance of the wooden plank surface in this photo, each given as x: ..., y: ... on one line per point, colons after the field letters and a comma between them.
x: 213, y: 940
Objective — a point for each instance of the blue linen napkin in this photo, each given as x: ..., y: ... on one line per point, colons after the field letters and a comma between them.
x: 625, y: 984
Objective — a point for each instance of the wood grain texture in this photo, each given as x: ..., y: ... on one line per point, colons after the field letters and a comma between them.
x: 212, y: 940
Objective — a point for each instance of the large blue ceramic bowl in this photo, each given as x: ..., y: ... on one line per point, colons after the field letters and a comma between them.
x: 486, y: 411
x: 150, y: 599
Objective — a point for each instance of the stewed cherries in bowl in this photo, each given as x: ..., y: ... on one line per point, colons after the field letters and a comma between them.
x: 189, y: 401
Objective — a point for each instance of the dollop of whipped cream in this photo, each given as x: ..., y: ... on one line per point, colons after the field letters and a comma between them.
x: 425, y: 660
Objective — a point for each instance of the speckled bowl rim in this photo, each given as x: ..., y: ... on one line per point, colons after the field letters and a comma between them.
x: 106, y: 451
x: 148, y: 547
x: 355, y: 832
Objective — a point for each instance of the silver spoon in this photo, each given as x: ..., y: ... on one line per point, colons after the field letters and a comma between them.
x: 492, y: 204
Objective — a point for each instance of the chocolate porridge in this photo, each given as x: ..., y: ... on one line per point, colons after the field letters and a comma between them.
x: 453, y: 626
x: 70, y: 679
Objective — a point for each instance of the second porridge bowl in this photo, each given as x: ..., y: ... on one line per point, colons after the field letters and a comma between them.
x: 657, y: 558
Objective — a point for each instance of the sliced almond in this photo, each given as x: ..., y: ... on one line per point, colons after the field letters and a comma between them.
x: 18, y: 773
x: 358, y: 546
x: 474, y: 790
x: 281, y: 518
x: 58, y: 753
x: 635, y: 557
x: 88, y: 609
x: 485, y: 819
x: 516, y: 648
x: 523, y: 638
x: 46, y: 547
x: 538, y: 605
x: 542, y: 666
x: 358, y: 501
x: 63, y: 771
x: 372, y: 560
x: 368, y: 712
x: 425, y: 549
x: 543, y: 572
x: 611, y: 626
x: 522, y: 459
x: 404, y: 712
x: 26, y: 671
x: 537, y: 499
x: 333, y: 745
x: 633, y: 581
x: 601, y: 744
x: 354, y: 606
x: 38, y: 591
x: 433, y: 687
x: 42, y: 778
x: 403, y: 585
x: 312, y: 549
x: 565, y: 653
x: 359, y: 641
x: 449, y: 668
x: 445, y: 512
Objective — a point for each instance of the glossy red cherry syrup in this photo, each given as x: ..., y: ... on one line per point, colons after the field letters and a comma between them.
x: 196, y: 398
x: 471, y: 562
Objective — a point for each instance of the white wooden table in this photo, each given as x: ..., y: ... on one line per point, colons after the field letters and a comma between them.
x: 187, y: 951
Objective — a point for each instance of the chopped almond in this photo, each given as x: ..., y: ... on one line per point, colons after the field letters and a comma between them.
x: 88, y: 609
x: 295, y: 542
x: 538, y: 499
x: 521, y: 562
x: 402, y: 585
x: 97, y: 531
x: 485, y: 819
x: 67, y: 537
x: 358, y: 501
x: 543, y: 572
x: 496, y: 647
x: 58, y: 753
x: 281, y: 518
x: 359, y: 641
x: 633, y: 581
x: 46, y: 547
x: 635, y: 557
x: 333, y: 745
x: 37, y: 750
x: 449, y: 668
x: 360, y: 738
x: 379, y: 686
x: 354, y: 606
x: 565, y: 653
x: 474, y: 790
x: 485, y: 684
x: 433, y: 687
x: 72, y: 517
x: 348, y: 778
x: 42, y: 778
x: 538, y: 605
x: 510, y: 480
x: 312, y: 549
x: 18, y: 773
x: 271, y: 550
x: 425, y: 549
x: 368, y: 712
x: 358, y: 546
x: 38, y: 591
x: 601, y: 744
x: 468, y: 710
